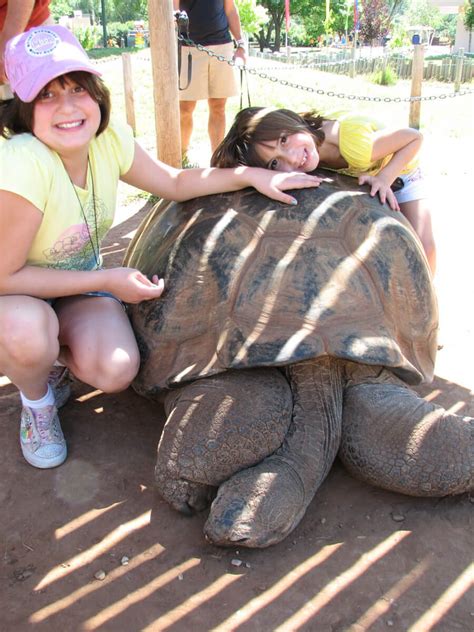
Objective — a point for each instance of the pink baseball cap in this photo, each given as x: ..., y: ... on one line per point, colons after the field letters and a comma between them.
x: 36, y: 57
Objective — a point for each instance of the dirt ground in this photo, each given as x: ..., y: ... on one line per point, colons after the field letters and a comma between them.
x: 361, y: 559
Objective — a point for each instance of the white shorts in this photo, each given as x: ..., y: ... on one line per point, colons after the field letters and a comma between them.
x: 210, y: 78
x: 414, y: 187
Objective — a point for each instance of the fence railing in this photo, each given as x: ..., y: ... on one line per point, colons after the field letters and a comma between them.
x: 341, y: 62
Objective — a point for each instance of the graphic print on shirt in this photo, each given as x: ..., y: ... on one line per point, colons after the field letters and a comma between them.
x: 73, y: 249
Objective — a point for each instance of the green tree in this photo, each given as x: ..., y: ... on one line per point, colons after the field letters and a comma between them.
x: 423, y: 13
x: 252, y: 16
x: 61, y: 7
x: 468, y: 18
x: 276, y: 11
x: 125, y: 10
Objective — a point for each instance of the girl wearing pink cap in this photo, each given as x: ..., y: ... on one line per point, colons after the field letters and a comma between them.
x: 59, y: 170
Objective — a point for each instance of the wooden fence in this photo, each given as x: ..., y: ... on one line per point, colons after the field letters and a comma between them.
x: 341, y: 63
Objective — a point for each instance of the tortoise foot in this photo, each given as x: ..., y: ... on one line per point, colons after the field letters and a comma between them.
x: 394, y: 439
x: 257, y: 507
x: 185, y: 496
x: 211, y: 432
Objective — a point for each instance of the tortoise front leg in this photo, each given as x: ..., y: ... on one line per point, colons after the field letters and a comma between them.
x: 261, y: 505
x: 394, y: 439
x: 217, y: 426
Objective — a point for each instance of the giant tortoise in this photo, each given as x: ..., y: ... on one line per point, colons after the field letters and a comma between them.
x: 287, y: 335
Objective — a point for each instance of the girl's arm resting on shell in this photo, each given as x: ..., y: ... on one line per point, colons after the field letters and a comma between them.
x: 160, y: 179
x: 19, y: 223
x: 404, y: 145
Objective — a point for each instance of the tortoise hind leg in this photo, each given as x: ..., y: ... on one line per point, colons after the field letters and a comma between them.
x: 394, y: 439
x: 261, y: 505
x: 216, y: 426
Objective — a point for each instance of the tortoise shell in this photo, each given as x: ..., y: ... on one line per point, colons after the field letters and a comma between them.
x: 251, y: 282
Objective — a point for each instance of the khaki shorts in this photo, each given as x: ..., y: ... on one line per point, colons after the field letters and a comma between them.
x: 211, y: 78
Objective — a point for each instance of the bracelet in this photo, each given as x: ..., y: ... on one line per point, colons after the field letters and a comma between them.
x: 240, y: 43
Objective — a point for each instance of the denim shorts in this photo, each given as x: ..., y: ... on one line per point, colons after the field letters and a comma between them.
x: 52, y: 301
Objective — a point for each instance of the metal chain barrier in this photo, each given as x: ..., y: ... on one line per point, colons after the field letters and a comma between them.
x: 319, y: 91
x: 291, y: 84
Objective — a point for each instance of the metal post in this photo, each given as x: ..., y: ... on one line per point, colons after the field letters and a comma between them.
x: 104, y: 23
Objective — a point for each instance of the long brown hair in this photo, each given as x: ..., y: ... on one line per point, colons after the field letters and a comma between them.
x: 17, y: 117
x: 258, y: 125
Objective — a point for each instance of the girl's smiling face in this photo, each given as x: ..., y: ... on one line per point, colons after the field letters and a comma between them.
x: 290, y: 152
x: 66, y: 118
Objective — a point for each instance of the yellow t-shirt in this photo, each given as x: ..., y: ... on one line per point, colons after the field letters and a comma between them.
x: 75, y: 220
x: 356, y: 137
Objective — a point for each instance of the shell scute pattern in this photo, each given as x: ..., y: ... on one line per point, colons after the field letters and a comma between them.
x: 251, y: 282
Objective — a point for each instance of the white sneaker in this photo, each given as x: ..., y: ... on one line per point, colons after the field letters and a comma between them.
x: 41, y: 438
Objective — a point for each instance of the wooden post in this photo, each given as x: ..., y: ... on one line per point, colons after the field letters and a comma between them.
x: 416, y: 81
x: 128, y: 91
x: 458, y: 72
x: 164, y: 60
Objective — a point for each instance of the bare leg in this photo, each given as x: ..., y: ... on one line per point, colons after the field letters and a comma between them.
x: 186, y: 109
x: 28, y: 343
x: 216, y: 122
x: 97, y: 342
x: 217, y: 426
x: 261, y: 505
x: 394, y: 439
x: 419, y: 216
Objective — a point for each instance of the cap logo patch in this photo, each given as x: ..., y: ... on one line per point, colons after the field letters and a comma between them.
x: 41, y: 42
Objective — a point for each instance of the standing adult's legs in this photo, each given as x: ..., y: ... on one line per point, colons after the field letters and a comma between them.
x: 216, y: 123
x: 186, y: 109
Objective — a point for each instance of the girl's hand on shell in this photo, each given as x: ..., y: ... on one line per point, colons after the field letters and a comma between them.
x: 273, y: 183
x: 380, y: 186
x: 131, y: 286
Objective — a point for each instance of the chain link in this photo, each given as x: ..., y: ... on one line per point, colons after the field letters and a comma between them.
x: 329, y: 93
x: 298, y: 86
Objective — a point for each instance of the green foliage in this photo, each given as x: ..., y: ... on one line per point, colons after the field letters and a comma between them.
x: 115, y: 10
x: 124, y: 10
x: 468, y: 15
x: 117, y: 32
x: 447, y: 26
x: 59, y: 8
x: 252, y: 16
x: 298, y: 35
x: 385, y: 77
x: 101, y: 53
x: 422, y: 12
x: 399, y: 38
x: 88, y: 37
x: 313, y: 16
